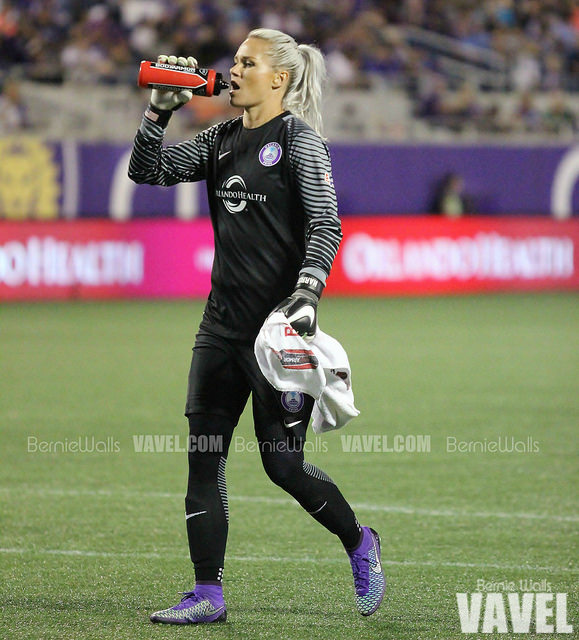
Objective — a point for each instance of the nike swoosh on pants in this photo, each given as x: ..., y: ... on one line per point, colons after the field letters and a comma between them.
x: 197, y: 513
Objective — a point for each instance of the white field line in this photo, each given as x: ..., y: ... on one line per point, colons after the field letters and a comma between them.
x: 281, y: 559
x: 439, y: 513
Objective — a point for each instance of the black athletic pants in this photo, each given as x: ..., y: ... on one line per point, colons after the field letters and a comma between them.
x: 223, y: 374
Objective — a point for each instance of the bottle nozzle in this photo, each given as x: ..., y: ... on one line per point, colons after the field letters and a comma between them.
x: 220, y: 84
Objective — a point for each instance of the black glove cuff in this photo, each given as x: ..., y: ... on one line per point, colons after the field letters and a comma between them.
x: 158, y: 116
x: 311, y: 285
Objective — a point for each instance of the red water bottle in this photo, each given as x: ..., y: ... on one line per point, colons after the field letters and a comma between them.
x: 169, y: 77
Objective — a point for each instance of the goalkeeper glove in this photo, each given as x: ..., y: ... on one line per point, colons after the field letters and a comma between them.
x: 301, y: 308
x: 173, y: 100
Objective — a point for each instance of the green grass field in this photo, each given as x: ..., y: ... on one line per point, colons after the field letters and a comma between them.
x: 91, y: 543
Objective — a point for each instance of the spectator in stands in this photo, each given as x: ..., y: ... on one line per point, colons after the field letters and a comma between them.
x: 432, y: 105
x: 83, y: 61
x: 344, y: 68
x: 450, y: 199
x: 12, y: 42
x: 526, y: 71
x: 464, y: 110
x: 559, y: 117
x: 13, y: 114
x: 552, y: 77
x: 527, y: 116
x: 384, y: 60
x: 144, y: 38
x: 44, y: 31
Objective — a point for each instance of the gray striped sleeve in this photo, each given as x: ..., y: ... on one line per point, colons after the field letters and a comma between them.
x: 310, y: 160
x: 151, y: 163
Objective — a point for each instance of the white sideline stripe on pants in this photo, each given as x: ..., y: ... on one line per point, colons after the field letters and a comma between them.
x: 263, y: 559
x: 418, y: 511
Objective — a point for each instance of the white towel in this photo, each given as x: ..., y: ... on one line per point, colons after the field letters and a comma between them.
x: 319, y: 367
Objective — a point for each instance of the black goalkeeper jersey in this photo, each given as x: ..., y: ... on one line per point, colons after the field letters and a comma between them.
x: 273, y: 210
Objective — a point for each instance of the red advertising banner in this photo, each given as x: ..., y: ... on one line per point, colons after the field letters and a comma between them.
x: 378, y: 256
x: 104, y: 259
x: 382, y: 256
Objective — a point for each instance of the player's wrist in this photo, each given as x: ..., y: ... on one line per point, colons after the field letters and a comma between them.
x: 310, y: 287
x: 157, y: 115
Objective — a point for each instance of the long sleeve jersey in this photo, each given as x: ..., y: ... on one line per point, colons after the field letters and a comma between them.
x: 273, y: 210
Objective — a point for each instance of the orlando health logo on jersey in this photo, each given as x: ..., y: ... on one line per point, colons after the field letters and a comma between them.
x: 235, y: 195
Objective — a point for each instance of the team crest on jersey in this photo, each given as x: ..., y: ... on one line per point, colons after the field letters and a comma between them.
x: 292, y: 401
x: 270, y: 154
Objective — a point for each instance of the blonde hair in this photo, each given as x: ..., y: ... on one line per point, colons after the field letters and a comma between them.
x: 307, y: 74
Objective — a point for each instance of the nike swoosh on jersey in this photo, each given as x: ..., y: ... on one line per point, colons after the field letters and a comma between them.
x: 225, y: 153
x: 292, y: 424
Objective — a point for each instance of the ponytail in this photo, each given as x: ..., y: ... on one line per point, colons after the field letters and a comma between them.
x: 307, y: 71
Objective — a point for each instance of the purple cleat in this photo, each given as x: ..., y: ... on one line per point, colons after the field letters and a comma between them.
x: 195, y: 608
x: 369, y: 578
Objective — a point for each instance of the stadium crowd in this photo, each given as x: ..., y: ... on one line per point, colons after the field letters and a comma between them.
x: 527, y: 45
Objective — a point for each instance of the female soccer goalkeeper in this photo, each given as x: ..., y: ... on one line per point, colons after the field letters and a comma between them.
x: 274, y: 215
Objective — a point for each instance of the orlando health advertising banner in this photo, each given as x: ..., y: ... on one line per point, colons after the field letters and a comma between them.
x: 378, y: 256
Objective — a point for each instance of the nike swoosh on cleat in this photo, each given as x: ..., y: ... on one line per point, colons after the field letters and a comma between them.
x: 225, y: 153
x: 376, y: 568
x: 211, y: 613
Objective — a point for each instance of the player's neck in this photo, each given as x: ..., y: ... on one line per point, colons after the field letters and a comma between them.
x: 254, y: 117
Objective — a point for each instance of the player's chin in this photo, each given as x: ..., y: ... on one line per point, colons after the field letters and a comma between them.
x: 234, y: 100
